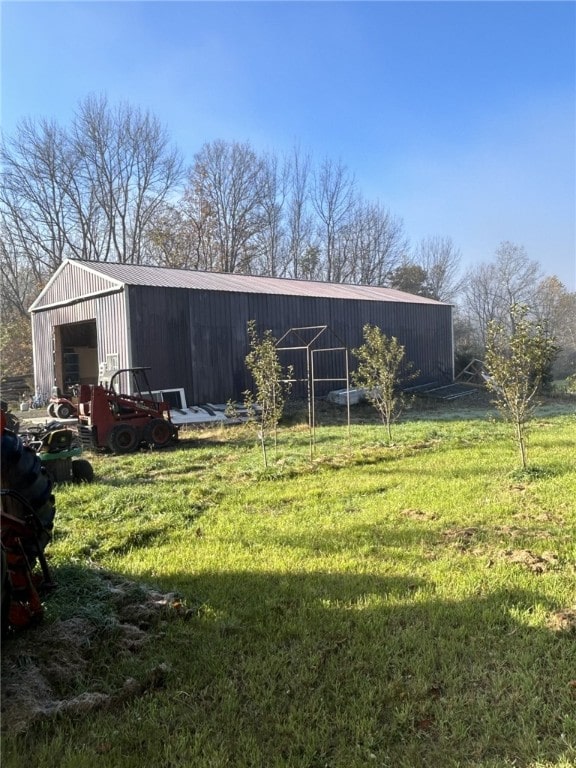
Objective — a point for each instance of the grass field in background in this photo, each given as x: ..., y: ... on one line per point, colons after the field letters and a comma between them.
x: 397, y: 605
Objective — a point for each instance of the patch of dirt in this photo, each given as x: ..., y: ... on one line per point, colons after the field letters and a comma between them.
x: 466, y: 540
x: 513, y: 531
x: 563, y: 621
x: 536, y: 563
x: 542, y: 517
x: 461, y: 538
x: 419, y: 514
x: 40, y: 663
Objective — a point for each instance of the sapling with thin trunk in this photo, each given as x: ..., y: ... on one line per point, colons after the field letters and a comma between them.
x: 381, y: 370
x: 518, y: 357
x: 271, y: 383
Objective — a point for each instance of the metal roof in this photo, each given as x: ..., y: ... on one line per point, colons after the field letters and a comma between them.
x: 164, y: 277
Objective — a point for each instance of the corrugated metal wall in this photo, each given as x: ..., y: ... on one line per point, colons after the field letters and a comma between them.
x: 198, y: 339
x: 111, y: 328
x: 160, y: 333
x: 73, y: 282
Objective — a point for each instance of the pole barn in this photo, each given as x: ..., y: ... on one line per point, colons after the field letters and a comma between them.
x: 190, y: 327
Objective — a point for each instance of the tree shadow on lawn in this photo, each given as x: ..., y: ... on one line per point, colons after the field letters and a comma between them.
x: 343, y: 670
x: 327, y: 669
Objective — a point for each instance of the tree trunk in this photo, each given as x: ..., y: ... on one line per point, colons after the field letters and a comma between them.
x: 520, y: 439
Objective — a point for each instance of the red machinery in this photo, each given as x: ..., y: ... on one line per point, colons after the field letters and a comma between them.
x: 61, y: 407
x: 27, y: 517
x: 122, y: 423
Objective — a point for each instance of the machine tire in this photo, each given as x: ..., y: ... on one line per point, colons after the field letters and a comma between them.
x: 52, y: 410
x: 122, y: 439
x: 158, y: 433
x: 63, y: 411
x: 82, y: 471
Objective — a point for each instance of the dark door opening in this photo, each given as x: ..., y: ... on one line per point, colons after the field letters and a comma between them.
x: 75, y: 355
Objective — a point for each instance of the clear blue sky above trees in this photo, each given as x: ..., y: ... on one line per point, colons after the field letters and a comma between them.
x: 457, y: 116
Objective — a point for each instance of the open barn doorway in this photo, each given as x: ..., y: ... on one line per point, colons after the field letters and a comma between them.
x: 75, y: 355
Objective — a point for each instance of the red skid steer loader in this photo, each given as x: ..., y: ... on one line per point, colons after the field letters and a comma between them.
x: 109, y: 420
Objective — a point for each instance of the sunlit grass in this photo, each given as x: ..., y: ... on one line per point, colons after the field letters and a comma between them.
x: 384, y: 605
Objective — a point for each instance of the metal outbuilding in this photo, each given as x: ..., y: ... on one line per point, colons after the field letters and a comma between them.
x: 190, y: 327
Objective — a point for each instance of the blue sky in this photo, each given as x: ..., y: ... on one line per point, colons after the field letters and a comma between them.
x: 460, y: 117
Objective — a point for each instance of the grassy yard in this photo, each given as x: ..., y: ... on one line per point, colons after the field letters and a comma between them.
x: 395, y: 605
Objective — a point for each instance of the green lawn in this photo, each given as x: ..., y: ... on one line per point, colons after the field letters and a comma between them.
x: 405, y: 605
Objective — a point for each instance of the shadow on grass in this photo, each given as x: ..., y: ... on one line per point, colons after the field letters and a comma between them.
x: 343, y: 670
x: 328, y: 669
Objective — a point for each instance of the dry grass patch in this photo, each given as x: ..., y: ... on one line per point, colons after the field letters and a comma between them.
x: 41, y: 667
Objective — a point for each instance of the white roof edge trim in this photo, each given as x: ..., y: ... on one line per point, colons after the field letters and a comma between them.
x: 118, y: 284
x: 77, y: 299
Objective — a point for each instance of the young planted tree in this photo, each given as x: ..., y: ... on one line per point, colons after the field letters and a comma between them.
x: 518, y: 359
x: 380, y: 372
x: 271, y: 382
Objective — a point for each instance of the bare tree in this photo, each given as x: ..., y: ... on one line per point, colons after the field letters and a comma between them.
x: 19, y: 285
x: 518, y: 278
x: 270, y: 243
x: 298, y: 219
x: 555, y: 310
x: 127, y: 170
x: 88, y: 192
x: 333, y: 197
x: 490, y: 290
x: 481, y: 300
x: 371, y: 245
x: 226, y: 193
x: 38, y: 215
x: 440, y: 259
x: 251, y: 213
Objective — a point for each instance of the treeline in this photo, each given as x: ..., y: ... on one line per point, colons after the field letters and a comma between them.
x: 110, y: 186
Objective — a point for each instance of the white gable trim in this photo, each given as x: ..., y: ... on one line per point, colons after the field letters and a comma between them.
x: 116, y: 286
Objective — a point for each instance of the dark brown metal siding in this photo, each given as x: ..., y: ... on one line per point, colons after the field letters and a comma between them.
x: 198, y: 339
x: 160, y: 334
